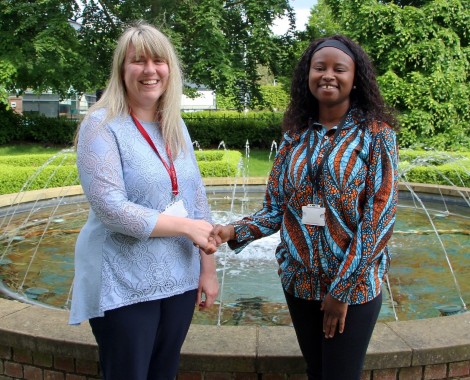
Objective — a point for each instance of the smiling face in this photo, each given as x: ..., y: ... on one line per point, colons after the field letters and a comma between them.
x: 145, y: 79
x: 331, y: 77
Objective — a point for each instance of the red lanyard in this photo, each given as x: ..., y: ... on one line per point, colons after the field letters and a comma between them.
x: 169, y: 168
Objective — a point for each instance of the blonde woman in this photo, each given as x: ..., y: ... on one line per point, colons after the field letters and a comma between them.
x: 140, y: 259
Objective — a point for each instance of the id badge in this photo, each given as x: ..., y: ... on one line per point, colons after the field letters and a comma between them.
x: 313, y: 215
x: 176, y: 209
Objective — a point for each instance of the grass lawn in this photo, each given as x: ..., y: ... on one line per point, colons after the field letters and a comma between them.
x: 259, y: 163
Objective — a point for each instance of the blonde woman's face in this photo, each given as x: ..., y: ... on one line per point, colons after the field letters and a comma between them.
x: 146, y: 79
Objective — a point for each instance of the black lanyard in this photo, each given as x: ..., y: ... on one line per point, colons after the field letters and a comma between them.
x: 315, y: 178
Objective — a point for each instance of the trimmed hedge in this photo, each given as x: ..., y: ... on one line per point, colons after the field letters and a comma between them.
x: 450, y: 169
x: 14, y: 179
x: 10, y: 126
x: 218, y: 163
x: 40, y: 171
x: 45, y: 170
x: 37, y: 160
x: 209, y: 129
x: 42, y: 130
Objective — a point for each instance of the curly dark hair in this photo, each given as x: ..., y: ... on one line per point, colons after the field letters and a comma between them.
x: 366, y: 98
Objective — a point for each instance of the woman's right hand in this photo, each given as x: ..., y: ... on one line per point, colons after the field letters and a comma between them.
x: 222, y: 234
x: 200, y: 232
x: 197, y: 230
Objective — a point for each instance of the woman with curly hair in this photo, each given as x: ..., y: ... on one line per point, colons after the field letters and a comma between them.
x: 332, y: 193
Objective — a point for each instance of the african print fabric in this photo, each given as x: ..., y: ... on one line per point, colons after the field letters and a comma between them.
x: 358, y: 186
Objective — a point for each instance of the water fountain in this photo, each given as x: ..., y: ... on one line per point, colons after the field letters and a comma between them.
x: 431, y: 237
x: 403, y: 347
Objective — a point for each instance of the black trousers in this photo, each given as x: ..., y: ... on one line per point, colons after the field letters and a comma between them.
x: 340, y: 357
x: 143, y: 341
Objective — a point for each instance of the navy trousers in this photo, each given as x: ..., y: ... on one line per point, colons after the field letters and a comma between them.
x: 143, y: 341
x: 338, y: 358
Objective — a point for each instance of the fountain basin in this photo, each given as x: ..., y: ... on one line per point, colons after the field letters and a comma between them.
x: 38, y: 340
x: 421, y: 280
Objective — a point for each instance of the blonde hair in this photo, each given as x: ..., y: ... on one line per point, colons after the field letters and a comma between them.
x: 149, y: 41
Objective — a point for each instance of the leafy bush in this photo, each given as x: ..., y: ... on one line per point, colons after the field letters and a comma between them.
x: 225, y: 166
x: 209, y: 129
x: 235, y: 129
x: 46, y: 130
x: 13, y: 179
x: 36, y: 160
x: 209, y: 155
x: 10, y: 126
x: 39, y: 171
x: 451, y: 169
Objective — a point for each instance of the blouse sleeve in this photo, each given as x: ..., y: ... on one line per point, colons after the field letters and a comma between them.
x: 101, y: 176
x: 268, y: 219
x: 376, y: 225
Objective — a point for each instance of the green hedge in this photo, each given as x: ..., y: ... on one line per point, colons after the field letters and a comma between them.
x: 13, y: 179
x: 18, y: 170
x: 10, y: 126
x: 44, y: 130
x: 451, y: 169
x: 209, y: 129
x: 218, y: 163
x: 35, y: 128
x: 36, y: 160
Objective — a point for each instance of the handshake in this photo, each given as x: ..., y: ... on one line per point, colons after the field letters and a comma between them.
x: 214, y: 237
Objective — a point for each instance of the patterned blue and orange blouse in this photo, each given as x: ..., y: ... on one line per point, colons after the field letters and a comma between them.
x: 358, y: 186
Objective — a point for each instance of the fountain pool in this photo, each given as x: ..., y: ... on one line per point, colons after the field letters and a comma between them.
x: 430, y: 269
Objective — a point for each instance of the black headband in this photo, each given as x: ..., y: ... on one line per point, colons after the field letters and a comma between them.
x: 336, y: 44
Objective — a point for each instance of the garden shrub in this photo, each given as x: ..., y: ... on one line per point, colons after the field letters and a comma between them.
x: 36, y: 160
x: 10, y: 126
x: 235, y: 129
x: 209, y: 155
x: 18, y: 170
x: 226, y: 166
x: 46, y: 130
x: 14, y: 179
x: 451, y: 169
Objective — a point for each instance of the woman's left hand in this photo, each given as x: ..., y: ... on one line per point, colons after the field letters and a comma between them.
x: 334, y: 315
x: 209, y: 285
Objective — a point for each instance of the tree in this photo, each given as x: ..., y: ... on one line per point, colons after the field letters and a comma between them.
x: 221, y: 44
x: 39, y: 48
x: 421, y: 52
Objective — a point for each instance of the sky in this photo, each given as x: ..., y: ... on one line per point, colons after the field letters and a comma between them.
x: 302, y: 12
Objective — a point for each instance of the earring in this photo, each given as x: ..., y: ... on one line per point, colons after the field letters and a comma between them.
x: 354, y: 87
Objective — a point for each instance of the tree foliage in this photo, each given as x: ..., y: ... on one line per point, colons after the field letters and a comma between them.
x: 421, y: 52
x: 39, y: 49
x: 220, y: 43
x: 420, y: 49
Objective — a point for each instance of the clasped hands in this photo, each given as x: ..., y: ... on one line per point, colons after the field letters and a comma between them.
x: 218, y: 235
